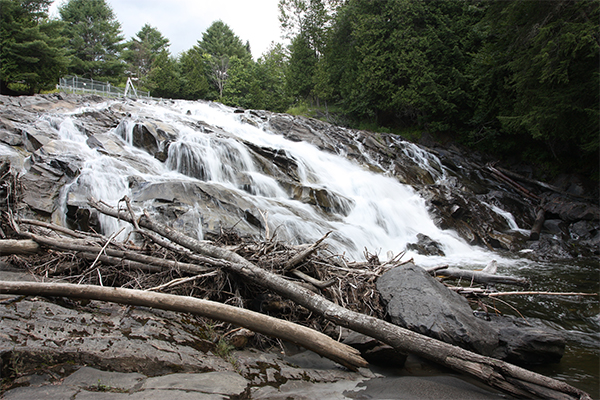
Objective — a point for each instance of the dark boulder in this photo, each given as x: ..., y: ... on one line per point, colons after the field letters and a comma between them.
x: 524, y: 344
x: 569, y: 210
x: 418, y: 302
x: 426, y: 246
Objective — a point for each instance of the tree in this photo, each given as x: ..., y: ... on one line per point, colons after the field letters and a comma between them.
x: 302, y: 67
x: 307, y: 23
x: 164, y: 78
x: 32, y: 51
x: 141, y: 51
x: 95, y: 39
x: 241, y: 89
x: 537, y: 80
x: 220, y: 44
x: 258, y: 85
x: 402, y: 63
x: 194, y: 82
x: 309, y: 18
x: 270, y: 76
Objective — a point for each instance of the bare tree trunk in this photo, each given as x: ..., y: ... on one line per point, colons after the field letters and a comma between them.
x: 116, y: 256
x: 496, y: 373
x: 540, y: 217
x: 300, y: 335
x: 10, y: 246
x: 480, y: 277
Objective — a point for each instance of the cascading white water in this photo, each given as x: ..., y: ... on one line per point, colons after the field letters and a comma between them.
x: 376, y: 212
x: 385, y: 216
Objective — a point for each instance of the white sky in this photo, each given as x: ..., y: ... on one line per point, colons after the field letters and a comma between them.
x: 184, y: 21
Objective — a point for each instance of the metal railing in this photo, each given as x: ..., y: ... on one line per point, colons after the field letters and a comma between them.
x: 76, y: 84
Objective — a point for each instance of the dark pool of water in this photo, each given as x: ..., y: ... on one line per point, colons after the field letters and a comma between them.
x: 576, y: 317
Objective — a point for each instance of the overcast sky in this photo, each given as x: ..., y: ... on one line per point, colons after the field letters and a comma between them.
x: 184, y: 21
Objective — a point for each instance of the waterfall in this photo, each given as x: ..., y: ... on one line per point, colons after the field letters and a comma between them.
x: 314, y: 193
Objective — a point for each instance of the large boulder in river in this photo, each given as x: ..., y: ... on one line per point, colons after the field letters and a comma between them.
x: 418, y: 302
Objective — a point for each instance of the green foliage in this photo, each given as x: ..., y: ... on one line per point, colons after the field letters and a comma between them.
x: 512, y: 76
x: 220, y: 44
x: 271, y: 91
x: 402, y: 62
x: 310, y: 19
x: 302, y: 68
x: 95, y: 39
x: 141, y: 51
x: 240, y: 85
x: 194, y: 84
x: 220, y: 41
x: 164, y: 78
x: 31, y: 46
x: 538, y: 81
x: 258, y: 85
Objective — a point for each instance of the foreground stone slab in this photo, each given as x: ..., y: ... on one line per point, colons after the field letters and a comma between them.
x: 225, y: 383
x: 87, y: 377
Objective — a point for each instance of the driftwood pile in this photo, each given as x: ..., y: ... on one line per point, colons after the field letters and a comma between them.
x: 240, y: 282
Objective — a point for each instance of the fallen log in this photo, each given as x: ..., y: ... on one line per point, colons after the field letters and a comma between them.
x: 301, y: 256
x: 536, y: 229
x: 496, y: 373
x: 512, y: 183
x: 486, y: 293
x: 541, y: 184
x: 24, y: 247
x: 58, y: 228
x: 479, y: 277
x: 300, y: 335
x: 116, y: 257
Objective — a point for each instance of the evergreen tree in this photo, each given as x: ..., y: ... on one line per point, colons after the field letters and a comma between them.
x: 537, y: 81
x: 141, y: 51
x: 220, y: 44
x: 95, y: 39
x: 32, y: 56
x: 164, y: 78
x: 301, y: 69
x: 272, y: 92
x: 400, y: 63
x: 258, y: 85
x: 309, y: 18
x: 193, y: 66
x: 241, y: 88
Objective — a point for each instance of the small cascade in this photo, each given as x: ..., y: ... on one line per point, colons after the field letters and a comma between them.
x: 379, y: 214
x: 424, y: 159
x: 510, y: 219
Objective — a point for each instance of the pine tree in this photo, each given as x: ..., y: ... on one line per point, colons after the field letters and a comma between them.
x: 141, y: 51
x: 32, y: 55
x: 95, y: 39
x: 219, y: 43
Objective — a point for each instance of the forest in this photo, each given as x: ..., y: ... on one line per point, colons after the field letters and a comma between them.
x: 516, y: 79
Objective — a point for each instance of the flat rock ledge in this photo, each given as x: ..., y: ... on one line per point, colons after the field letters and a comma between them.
x: 61, y: 349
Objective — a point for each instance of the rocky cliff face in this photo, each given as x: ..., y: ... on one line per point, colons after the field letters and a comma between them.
x: 62, y: 144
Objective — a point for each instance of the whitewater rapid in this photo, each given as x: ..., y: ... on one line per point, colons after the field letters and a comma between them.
x: 382, y: 216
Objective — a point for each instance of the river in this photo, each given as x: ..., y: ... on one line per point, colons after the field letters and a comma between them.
x: 372, y: 211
